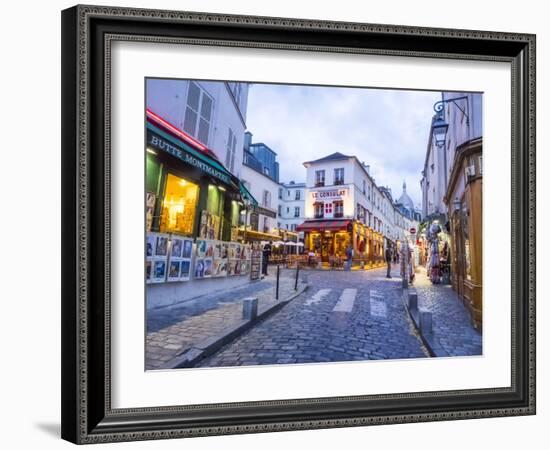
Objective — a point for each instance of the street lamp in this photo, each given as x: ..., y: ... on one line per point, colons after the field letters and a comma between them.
x: 439, y: 130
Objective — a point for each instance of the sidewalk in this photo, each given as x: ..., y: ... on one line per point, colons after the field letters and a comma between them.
x: 211, y: 320
x: 453, y: 332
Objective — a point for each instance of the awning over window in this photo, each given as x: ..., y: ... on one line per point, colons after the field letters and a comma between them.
x: 322, y: 225
x: 204, y: 160
x: 245, y: 193
x: 159, y: 139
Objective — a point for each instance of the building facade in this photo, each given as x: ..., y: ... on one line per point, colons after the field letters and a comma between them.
x: 291, y: 206
x: 452, y: 190
x: 213, y: 113
x: 344, y: 207
x: 261, y: 219
x: 265, y: 156
x: 194, y: 140
x: 463, y: 198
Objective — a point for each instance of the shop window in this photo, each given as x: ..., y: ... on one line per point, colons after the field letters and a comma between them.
x: 179, y: 205
x: 254, y: 221
x: 198, y: 113
x: 466, y: 240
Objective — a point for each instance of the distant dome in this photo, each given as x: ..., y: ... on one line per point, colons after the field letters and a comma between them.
x: 405, y: 200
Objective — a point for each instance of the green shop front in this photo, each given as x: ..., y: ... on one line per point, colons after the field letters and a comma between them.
x: 189, y: 192
x: 193, y: 209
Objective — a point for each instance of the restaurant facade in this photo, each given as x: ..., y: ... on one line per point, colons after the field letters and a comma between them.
x: 344, y: 207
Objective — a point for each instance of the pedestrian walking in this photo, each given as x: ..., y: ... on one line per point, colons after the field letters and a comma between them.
x: 349, y: 256
x: 388, y: 261
x: 266, y: 254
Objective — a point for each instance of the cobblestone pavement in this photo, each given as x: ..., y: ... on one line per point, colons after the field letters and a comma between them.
x: 172, y: 330
x: 343, y: 316
x: 452, y: 327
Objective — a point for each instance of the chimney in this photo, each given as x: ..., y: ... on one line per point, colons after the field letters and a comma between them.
x: 367, y: 167
x: 247, y: 139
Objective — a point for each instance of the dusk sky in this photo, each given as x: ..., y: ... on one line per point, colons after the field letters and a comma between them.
x: 388, y: 129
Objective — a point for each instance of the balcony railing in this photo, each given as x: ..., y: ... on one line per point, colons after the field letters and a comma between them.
x: 319, y: 215
x: 338, y: 182
x: 319, y: 183
x: 338, y: 215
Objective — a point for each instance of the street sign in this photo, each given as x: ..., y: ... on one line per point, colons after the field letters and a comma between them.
x: 412, y: 230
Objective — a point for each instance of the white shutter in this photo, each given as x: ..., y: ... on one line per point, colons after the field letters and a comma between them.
x: 233, y: 151
x: 228, y: 149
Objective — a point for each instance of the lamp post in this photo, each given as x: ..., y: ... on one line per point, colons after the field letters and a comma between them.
x: 440, y: 126
x: 439, y: 131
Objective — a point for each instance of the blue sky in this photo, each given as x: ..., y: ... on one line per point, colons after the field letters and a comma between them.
x: 387, y: 129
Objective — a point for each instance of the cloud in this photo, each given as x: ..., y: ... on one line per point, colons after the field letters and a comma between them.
x: 388, y: 129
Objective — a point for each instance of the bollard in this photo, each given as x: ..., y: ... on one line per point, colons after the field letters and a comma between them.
x: 413, y: 301
x: 296, y: 280
x: 250, y: 308
x: 425, y: 319
x: 277, y: 285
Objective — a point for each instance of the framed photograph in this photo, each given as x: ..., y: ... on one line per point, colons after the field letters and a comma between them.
x: 336, y: 221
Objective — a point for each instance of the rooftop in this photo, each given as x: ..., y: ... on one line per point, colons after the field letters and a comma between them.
x: 332, y: 157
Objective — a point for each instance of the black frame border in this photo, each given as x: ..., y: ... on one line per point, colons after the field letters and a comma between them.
x: 87, y: 31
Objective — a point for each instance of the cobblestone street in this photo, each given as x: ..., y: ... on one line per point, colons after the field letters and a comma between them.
x: 173, y: 330
x: 343, y: 316
x: 451, y: 324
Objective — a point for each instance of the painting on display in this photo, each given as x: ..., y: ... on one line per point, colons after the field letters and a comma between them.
x: 180, y: 259
x: 156, y: 261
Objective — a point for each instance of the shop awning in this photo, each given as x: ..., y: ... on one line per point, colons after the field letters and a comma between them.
x: 245, y: 193
x: 322, y: 225
x: 258, y: 235
x: 159, y: 139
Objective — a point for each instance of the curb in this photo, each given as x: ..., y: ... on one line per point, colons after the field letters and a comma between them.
x: 427, y: 338
x: 207, y: 347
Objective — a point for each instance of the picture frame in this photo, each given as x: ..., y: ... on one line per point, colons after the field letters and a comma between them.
x: 87, y: 413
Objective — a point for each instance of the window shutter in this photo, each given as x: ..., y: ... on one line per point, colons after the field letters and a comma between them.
x: 191, y: 111
x: 228, y: 149
x: 233, y: 151
x: 205, y: 117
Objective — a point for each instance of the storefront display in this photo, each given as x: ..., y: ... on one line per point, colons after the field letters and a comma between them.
x: 209, y: 226
x: 192, y: 211
x: 179, y: 205
x: 150, y: 202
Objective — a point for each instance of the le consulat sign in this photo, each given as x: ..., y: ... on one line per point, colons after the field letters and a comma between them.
x: 329, y: 194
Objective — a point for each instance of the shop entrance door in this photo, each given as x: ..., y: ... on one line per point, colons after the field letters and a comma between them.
x: 459, y: 245
x: 327, y: 247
